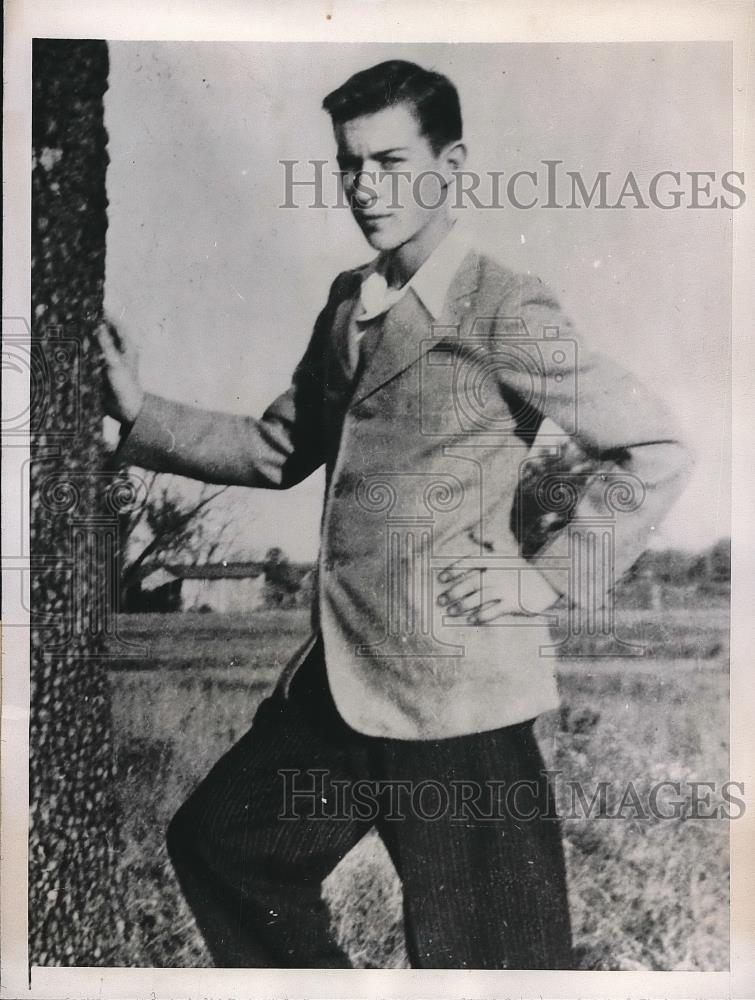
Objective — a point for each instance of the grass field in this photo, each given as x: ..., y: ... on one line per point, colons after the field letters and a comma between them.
x: 644, y: 893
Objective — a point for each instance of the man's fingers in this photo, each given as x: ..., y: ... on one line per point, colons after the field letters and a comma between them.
x: 116, y: 348
x: 107, y: 344
x: 455, y: 571
x: 462, y: 606
x: 107, y: 330
x: 469, y: 584
x: 487, y: 612
x: 102, y: 331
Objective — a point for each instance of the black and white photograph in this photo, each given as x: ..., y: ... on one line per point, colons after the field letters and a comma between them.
x: 367, y: 492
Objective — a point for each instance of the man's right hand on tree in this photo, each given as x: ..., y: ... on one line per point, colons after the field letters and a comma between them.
x: 123, y: 391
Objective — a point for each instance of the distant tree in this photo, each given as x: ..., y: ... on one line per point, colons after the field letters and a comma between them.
x: 166, y: 526
x: 282, y: 580
x: 698, y: 568
x: 720, y: 560
x: 673, y: 566
x: 275, y: 558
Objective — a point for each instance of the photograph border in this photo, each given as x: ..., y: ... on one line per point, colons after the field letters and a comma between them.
x: 354, y: 22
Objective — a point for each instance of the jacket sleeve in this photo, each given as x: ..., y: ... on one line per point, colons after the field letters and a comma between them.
x: 636, y: 454
x: 275, y: 451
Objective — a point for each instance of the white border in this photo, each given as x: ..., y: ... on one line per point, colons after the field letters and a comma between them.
x: 375, y: 20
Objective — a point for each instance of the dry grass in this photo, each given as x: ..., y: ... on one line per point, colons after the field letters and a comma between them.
x: 644, y: 894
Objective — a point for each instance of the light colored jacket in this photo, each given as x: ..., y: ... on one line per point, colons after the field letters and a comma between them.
x: 423, y: 458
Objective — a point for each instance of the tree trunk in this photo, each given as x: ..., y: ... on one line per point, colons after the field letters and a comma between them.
x: 73, y: 880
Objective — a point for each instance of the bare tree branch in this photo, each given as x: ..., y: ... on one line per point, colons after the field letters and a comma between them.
x: 171, y: 526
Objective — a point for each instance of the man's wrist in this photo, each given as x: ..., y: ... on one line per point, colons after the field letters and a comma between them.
x: 536, y: 593
x: 131, y: 407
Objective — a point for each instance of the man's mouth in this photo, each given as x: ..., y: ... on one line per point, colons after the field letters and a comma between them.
x: 374, y: 219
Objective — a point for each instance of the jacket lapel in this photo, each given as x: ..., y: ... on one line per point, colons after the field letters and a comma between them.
x: 338, y: 374
x: 342, y: 347
x: 407, y: 331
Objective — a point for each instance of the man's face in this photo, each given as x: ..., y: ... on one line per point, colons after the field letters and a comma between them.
x: 382, y: 157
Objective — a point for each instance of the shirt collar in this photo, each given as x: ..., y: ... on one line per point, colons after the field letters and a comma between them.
x: 432, y: 280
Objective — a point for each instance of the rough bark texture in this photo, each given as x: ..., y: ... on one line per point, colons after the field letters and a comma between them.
x: 73, y: 883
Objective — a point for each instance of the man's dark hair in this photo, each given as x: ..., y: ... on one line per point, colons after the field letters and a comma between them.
x: 431, y: 97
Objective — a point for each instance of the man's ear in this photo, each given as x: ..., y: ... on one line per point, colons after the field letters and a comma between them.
x: 454, y: 156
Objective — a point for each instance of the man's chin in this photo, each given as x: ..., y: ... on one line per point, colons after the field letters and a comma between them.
x: 382, y: 241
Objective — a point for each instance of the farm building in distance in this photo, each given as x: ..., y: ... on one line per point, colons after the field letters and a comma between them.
x: 220, y: 586
x: 225, y: 587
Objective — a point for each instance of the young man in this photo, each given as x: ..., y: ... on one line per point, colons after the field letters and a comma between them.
x: 429, y: 373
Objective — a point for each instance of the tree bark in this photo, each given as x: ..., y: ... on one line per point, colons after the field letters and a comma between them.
x: 74, y: 885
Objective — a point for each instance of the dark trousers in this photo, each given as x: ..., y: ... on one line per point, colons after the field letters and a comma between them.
x: 484, y: 885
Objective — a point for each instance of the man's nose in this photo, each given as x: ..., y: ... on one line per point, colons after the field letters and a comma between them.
x: 363, y: 190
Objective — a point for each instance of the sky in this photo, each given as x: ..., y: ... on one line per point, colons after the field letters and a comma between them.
x: 220, y: 286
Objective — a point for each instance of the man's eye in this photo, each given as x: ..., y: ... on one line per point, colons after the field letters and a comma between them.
x: 390, y: 162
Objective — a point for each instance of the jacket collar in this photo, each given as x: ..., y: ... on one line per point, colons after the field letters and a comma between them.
x: 410, y: 329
